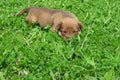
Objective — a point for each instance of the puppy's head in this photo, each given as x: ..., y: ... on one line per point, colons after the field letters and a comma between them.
x: 68, y: 28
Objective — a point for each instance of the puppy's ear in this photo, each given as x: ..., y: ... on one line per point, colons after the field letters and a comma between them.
x: 57, y: 26
x: 80, y: 26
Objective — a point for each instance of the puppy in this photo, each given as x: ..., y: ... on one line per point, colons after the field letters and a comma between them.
x: 65, y: 23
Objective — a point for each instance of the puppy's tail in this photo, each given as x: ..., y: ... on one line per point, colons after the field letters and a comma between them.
x: 23, y: 11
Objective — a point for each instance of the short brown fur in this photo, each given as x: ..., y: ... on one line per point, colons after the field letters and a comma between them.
x: 65, y: 23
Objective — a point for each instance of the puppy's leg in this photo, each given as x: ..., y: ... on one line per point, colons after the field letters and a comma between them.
x: 31, y: 19
x: 42, y: 22
x: 56, y: 26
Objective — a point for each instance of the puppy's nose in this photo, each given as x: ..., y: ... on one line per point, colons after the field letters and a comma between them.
x: 68, y: 38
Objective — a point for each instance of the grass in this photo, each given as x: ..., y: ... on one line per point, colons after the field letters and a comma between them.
x: 29, y: 53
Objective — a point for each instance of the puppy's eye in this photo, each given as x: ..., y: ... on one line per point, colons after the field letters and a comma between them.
x: 64, y: 32
x: 75, y: 31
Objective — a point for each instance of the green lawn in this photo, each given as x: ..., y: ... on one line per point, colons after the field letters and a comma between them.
x: 29, y: 53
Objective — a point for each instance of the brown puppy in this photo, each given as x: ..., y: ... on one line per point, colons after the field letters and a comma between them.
x: 65, y: 23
